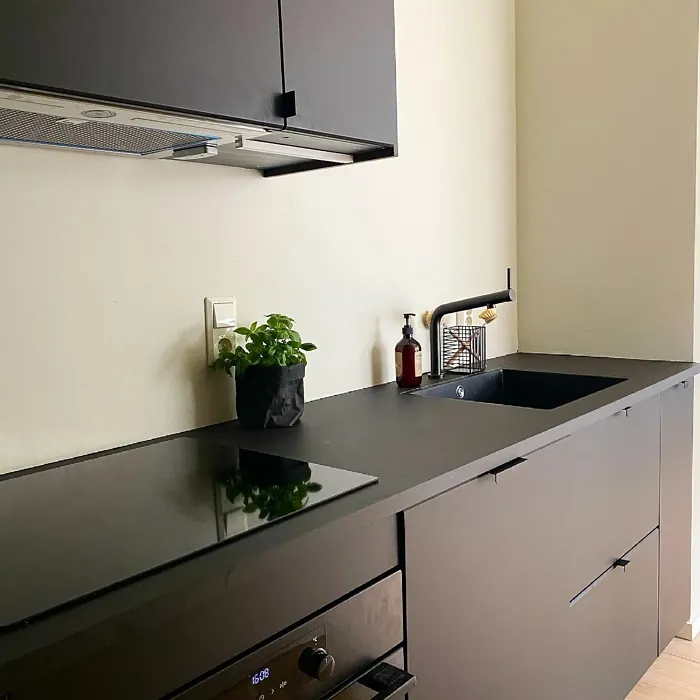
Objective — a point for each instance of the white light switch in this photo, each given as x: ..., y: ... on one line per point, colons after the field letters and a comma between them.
x: 220, y: 324
x: 224, y: 314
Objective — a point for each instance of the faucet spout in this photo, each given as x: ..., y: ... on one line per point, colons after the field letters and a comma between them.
x: 502, y: 297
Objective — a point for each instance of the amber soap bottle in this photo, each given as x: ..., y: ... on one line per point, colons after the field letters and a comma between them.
x: 409, y: 358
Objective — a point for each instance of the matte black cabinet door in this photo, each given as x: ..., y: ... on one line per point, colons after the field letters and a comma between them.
x: 217, y: 57
x: 612, y: 627
x: 486, y: 600
x: 339, y: 59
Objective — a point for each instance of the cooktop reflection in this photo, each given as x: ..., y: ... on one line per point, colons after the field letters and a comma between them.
x: 262, y: 488
x: 70, y: 531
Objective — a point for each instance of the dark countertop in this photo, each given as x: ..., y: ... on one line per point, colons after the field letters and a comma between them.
x: 418, y: 447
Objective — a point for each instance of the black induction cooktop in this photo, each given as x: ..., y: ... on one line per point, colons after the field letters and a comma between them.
x: 70, y: 531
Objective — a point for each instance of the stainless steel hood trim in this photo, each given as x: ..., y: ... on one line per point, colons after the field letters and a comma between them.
x: 224, y: 133
x: 73, y: 109
x: 295, y: 151
x: 205, y: 150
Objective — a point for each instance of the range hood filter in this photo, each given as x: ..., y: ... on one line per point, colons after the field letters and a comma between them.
x: 50, y: 130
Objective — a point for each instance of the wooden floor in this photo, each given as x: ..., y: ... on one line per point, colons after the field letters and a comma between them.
x: 674, y: 676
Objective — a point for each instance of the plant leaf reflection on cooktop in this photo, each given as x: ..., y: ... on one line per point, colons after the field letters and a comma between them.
x: 270, y: 488
x: 257, y: 488
x: 71, y: 530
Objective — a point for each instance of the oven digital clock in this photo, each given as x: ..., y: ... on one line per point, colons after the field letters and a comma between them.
x: 260, y: 676
x: 282, y: 675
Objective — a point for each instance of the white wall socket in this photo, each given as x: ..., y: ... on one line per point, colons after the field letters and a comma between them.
x: 220, y: 320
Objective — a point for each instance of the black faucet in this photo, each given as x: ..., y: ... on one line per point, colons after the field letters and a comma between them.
x: 489, y: 300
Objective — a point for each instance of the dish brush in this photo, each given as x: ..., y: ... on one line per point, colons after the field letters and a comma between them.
x: 488, y: 315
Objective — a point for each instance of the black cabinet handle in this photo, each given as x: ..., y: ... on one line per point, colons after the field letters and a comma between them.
x: 287, y: 104
x: 495, y: 473
x: 619, y: 564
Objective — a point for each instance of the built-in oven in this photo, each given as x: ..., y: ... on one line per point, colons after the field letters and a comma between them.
x: 352, y: 650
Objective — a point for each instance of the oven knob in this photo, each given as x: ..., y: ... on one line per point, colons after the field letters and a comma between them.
x: 317, y: 663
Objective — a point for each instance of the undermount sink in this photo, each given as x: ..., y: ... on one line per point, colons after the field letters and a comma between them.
x: 514, y: 387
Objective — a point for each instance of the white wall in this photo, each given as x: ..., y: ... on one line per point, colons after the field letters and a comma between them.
x: 607, y: 113
x: 104, y: 262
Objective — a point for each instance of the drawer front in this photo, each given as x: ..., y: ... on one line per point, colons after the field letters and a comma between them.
x: 614, y: 488
x: 612, y: 627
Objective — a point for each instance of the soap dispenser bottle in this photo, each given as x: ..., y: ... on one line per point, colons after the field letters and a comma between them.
x: 409, y: 358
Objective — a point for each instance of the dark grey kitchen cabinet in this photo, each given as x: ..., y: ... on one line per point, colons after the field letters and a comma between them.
x: 500, y: 572
x: 676, y: 510
x: 212, y: 57
x: 340, y: 63
x: 486, y: 586
x: 613, y: 488
x: 611, y: 637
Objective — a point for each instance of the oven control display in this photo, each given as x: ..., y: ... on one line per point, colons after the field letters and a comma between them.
x: 261, y: 676
x: 280, y: 677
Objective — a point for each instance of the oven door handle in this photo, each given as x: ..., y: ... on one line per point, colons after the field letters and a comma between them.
x: 389, y: 682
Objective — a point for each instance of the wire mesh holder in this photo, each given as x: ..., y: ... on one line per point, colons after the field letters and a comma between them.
x: 464, y: 349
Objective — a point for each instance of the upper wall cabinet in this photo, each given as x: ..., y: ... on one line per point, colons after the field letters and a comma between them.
x: 213, y: 57
x: 339, y: 61
x: 318, y: 75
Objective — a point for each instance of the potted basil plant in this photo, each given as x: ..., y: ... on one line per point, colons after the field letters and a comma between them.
x: 269, y: 367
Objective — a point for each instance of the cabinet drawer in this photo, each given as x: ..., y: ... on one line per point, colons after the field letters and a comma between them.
x: 612, y: 627
x: 613, y: 488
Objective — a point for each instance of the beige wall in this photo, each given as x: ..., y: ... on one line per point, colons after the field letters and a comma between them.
x: 104, y: 262
x: 607, y: 127
x: 606, y: 176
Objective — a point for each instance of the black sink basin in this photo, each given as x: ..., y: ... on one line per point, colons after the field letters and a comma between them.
x: 514, y: 387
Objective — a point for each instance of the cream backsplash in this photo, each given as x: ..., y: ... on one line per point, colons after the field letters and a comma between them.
x: 105, y: 262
